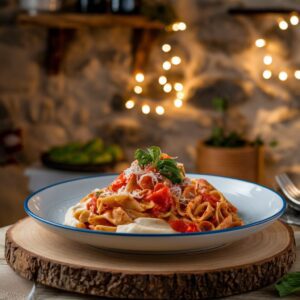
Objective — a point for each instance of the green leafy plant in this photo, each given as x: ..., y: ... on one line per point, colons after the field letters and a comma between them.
x: 290, y: 283
x: 167, y: 167
x: 222, y: 137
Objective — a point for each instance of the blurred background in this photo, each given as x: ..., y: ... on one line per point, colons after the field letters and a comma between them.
x: 83, y: 83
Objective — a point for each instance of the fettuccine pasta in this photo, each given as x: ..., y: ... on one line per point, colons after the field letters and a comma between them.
x: 155, y: 186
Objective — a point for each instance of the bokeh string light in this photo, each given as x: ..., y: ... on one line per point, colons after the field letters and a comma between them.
x: 167, y: 87
x: 283, y: 24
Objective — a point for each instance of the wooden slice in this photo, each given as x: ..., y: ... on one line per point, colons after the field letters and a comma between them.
x: 252, y: 263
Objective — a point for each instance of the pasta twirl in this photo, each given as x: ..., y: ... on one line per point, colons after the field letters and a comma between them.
x: 155, y: 186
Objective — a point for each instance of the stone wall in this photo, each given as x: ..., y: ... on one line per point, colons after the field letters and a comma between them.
x: 219, y: 58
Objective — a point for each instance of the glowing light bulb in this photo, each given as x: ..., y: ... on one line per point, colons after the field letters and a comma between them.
x: 139, y: 77
x: 166, y: 65
x: 175, y: 27
x: 166, y: 48
x: 176, y: 60
x: 167, y: 88
x: 260, y: 43
x: 138, y: 89
x: 178, y: 87
x: 146, y: 109
x: 181, y: 26
x: 283, y: 76
x: 159, y: 110
x: 297, y: 74
x: 180, y: 95
x: 294, y: 20
x: 267, y: 74
x: 130, y: 104
x: 283, y: 25
x: 268, y: 59
x: 162, y: 80
x: 178, y: 103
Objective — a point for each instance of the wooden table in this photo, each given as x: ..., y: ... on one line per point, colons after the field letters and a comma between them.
x: 14, y: 287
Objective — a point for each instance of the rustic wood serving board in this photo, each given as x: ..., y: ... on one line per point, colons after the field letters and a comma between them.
x: 249, y: 264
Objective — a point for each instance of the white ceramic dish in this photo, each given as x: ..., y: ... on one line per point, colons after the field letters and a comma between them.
x: 258, y: 206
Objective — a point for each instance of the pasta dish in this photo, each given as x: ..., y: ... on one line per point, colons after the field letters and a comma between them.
x: 154, y: 195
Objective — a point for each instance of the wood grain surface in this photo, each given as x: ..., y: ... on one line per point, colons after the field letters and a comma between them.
x: 46, y: 258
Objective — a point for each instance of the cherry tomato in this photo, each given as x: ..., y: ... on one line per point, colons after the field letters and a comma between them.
x: 183, y: 226
x: 162, y: 198
x: 118, y: 182
x: 165, y: 156
x: 146, y: 183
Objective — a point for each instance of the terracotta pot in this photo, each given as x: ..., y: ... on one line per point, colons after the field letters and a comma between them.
x: 242, y: 162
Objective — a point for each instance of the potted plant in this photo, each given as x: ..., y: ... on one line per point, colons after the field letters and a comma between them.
x: 228, y: 153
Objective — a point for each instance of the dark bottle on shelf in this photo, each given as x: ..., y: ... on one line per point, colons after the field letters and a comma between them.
x: 93, y: 6
x: 125, y: 6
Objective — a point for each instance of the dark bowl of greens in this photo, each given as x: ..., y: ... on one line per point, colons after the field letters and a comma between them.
x: 92, y: 156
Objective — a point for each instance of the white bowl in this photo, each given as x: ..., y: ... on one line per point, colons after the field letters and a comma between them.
x: 258, y: 206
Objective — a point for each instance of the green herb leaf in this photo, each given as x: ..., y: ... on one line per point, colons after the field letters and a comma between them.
x: 155, y: 153
x: 288, y: 284
x: 144, y: 158
x: 168, y: 168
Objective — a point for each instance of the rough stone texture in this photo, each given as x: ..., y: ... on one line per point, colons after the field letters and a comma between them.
x: 224, y: 33
x: 228, y: 89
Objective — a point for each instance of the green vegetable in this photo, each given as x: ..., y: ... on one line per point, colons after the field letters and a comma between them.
x: 288, y: 284
x: 167, y: 167
x: 92, y: 152
x: 144, y: 158
x: 103, y: 158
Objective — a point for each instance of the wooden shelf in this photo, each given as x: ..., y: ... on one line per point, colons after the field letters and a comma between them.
x: 77, y: 20
x: 63, y: 26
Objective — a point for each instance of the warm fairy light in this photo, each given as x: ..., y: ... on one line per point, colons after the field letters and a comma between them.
x: 166, y: 65
x: 283, y: 76
x: 130, y: 104
x: 176, y: 60
x: 178, y: 103
x: 267, y: 74
x: 167, y: 88
x: 294, y: 20
x: 180, y: 95
x: 146, y: 109
x: 162, y: 80
x: 138, y: 89
x: 159, y: 110
x: 283, y: 25
x: 178, y: 87
x: 175, y: 27
x: 260, y: 43
x: 166, y: 48
x: 297, y: 74
x: 139, y: 77
x: 179, y: 26
x: 268, y: 59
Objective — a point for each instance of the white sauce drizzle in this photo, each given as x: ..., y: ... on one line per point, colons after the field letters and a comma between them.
x: 69, y: 217
x: 146, y: 225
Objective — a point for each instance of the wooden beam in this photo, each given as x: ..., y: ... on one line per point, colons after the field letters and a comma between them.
x: 76, y: 20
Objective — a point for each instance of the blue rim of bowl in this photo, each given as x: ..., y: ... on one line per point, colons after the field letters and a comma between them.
x: 59, y: 225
